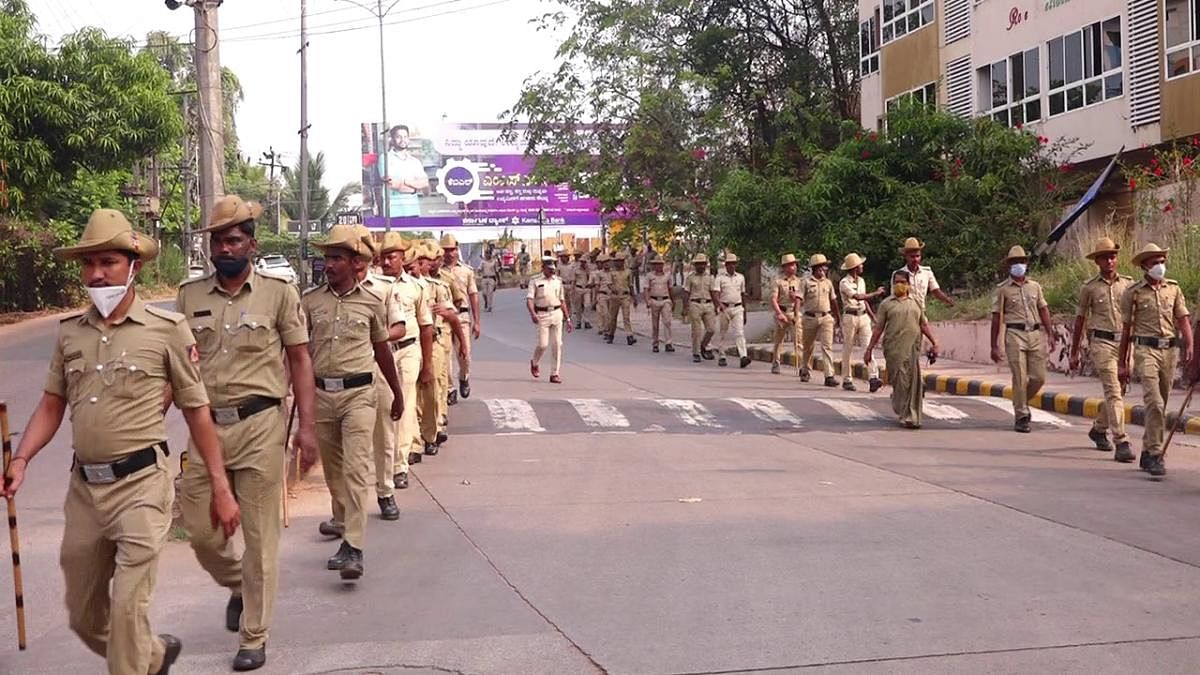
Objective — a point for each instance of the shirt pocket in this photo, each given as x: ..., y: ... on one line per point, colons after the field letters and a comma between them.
x: 132, y: 375
x: 254, y: 333
x: 204, y: 330
x: 76, y: 375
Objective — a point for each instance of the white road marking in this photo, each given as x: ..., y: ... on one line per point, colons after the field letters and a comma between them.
x: 597, y: 413
x: 692, y: 413
x: 513, y: 414
x: 1036, y: 414
x: 768, y: 410
x: 941, y: 411
x: 851, y: 410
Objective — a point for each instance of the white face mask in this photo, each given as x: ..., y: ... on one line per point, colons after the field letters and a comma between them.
x: 106, y: 298
x: 1018, y: 270
x: 1157, y: 271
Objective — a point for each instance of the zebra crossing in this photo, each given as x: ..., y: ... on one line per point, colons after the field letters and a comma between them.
x: 511, y: 416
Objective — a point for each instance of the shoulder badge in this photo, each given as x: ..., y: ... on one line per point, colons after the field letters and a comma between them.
x: 1172, y: 282
x: 310, y: 289
x: 272, y: 274
x: 193, y: 280
x: 173, y: 317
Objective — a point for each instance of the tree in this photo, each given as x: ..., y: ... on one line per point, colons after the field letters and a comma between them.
x: 321, y: 207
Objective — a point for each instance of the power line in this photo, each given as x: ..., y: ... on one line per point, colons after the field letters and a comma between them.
x: 293, y: 34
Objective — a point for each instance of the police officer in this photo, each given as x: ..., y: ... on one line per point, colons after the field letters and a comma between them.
x: 697, y: 296
x: 432, y: 401
x: 348, y: 334
x: 568, y: 272
x: 546, y: 302
x: 111, y: 364
x: 243, y: 321
x: 457, y: 300
x: 1020, y: 312
x: 602, y: 287
x: 729, y: 296
x: 820, y: 315
x: 462, y: 277
x: 578, y: 295
x: 660, y: 303
x: 489, y: 279
x: 1156, y: 326
x: 783, y: 295
x: 1099, y: 312
x: 923, y: 281
x: 620, y: 298
x: 856, y: 319
x: 409, y: 295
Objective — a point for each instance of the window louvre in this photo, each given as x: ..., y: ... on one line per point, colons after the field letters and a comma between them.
x: 958, y: 20
x: 958, y: 86
x: 1145, y: 95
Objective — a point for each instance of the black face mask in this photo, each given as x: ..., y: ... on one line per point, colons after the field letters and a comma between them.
x: 230, y: 267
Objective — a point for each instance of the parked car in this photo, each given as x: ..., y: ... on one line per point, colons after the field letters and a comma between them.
x: 278, y: 266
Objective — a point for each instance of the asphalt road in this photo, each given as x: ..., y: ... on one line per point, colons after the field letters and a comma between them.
x: 653, y: 516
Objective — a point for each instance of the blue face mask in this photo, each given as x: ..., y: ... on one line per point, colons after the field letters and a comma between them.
x: 230, y: 267
x: 1018, y: 270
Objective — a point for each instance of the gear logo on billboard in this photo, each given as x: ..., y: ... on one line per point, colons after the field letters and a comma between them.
x: 460, y: 181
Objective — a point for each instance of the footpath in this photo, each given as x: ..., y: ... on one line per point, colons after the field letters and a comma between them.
x: 1077, y: 396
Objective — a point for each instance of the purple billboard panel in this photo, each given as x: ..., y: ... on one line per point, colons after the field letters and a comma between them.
x: 464, y: 175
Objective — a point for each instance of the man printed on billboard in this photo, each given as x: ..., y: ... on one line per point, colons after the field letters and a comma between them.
x: 405, y: 175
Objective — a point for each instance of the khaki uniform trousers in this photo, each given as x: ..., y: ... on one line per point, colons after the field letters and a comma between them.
x: 856, y: 332
x: 487, y: 287
x: 780, y: 334
x: 1103, y: 354
x: 550, y: 329
x: 733, y: 318
x: 444, y: 343
x: 253, y: 450
x: 383, y: 439
x: 1156, y: 367
x: 464, y: 361
x: 818, y: 329
x: 408, y: 430
x: 623, y: 305
x: 431, y: 397
x: 660, y: 321
x: 113, y: 534
x: 704, y: 324
x: 345, y: 430
x: 1027, y: 361
x: 602, y: 312
x: 575, y: 304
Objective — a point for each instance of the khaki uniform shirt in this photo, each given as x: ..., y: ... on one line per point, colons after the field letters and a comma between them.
x: 464, y: 280
x: 850, y: 287
x: 1100, y: 303
x: 921, y: 283
x: 458, y: 298
x: 729, y: 287
x: 604, y: 282
x: 783, y: 291
x: 343, y: 329
x: 659, y: 285
x: 594, y: 279
x: 567, y: 273
x: 698, y: 286
x: 546, y: 293
x: 817, y: 294
x: 114, y: 377
x: 241, y: 336
x: 1153, y: 311
x: 409, y: 296
x: 439, y: 294
x: 621, y: 282
x: 1019, y: 303
x: 489, y: 269
x: 382, y: 286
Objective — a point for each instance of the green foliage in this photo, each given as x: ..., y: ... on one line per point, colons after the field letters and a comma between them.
x: 321, y: 207
x: 32, y: 277
x: 166, y: 270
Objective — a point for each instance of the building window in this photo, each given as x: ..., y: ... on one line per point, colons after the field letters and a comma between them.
x: 868, y: 44
x: 1183, y: 37
x: 1085, y: 67
x: 926, y: 95
x: 1010, y: 90
x: 901, y: 17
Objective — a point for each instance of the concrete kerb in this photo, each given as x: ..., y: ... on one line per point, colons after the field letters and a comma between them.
x: 1062, y: 403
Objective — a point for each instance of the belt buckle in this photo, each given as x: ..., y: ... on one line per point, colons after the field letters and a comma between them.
x: 1164, y: 343
x: 98, y: 474
x: 335, y: 383
x: 226, y: 416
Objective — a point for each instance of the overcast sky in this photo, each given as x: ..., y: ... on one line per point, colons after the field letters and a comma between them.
x: 467, y: 64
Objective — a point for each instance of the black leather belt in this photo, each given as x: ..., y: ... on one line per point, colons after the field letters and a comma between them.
x: 463, y: 309
x: 1104, y: 335
x: 816, y: 315
x: 111, y: 472
x: 397, y: 346
x: 854, y: 312
x: 1023, y: 326
x: 601, y: 292
x: 733, y: 304
x: 660, y: 297
x: 348, y: 382
x: 234, y: 414
x: 1157, y: 343
x: 702, y: 302
x: 546, y: 309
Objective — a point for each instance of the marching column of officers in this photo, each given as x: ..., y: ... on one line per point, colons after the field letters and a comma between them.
x: 367, y: 357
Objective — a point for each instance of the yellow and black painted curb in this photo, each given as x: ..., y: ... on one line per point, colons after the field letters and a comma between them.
x: 1062, y: 403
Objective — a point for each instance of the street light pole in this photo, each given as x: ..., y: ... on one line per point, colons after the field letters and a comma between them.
x: 541, y: 240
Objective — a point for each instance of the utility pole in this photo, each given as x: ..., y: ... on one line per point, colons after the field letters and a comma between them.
x: 541, y: 241
x: 187, y: 175
x: 272, y: 155
x: 211, y: 132
x: 303, y: 143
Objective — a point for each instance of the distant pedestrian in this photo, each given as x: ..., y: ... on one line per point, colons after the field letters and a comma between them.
x: 578, y: 295
x: 697, y: 297
x: 924, y: 283
x: 856, y: 319
x: 660, y: 304
x: 489, y: 279
x: 1020, y: 314
x: 603, y: 290
x: 820, y: 309
x: 523, y: 267
x: 729, y: 294
x: 783, y: 297
x: 546, y: 301
x: 900, y: 325
x: 620, y: 299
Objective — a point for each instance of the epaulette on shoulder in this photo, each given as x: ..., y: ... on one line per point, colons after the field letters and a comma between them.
x: 193, y: 280
x: 1171, y: 282
x: 373, y: 292
x: 173, y: 317
x: 310, y: 289
x: 72, y: 317
x: 273, y: 275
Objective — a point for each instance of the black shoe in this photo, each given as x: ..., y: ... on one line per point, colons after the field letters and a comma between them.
x: 330, y: 528
x: 400, y: 480
x: 233, y: 613
x: 171, y: 648
x: 707, y: 354
x: 414, y: 458
x: 630, y: 340
x: 830, y: 381
x: 744, y: 361
x: 353, y: 568
x: 805, y: 376
x: 1144, y: 461
x: 388, y: 509
x: 578, y: 325
x: 875, y: 383
x: 338, y: 561
x: 848, y: 385
x: 452, y: 397
x: 1156, y: 467
x: 1124, y: 453
x: 774, y: 368
x: 695, y: 358
x: 654, y: 349
x: 608, y: 339
x: 669, y: 348
x: 587, y: 326
x: 431, y: 449
x: 440, y: 438
x: 464, y: 389
x: 722, y: 362
x: 1021, y: 426
x: 1100, y: 438
x: 250, y: 659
